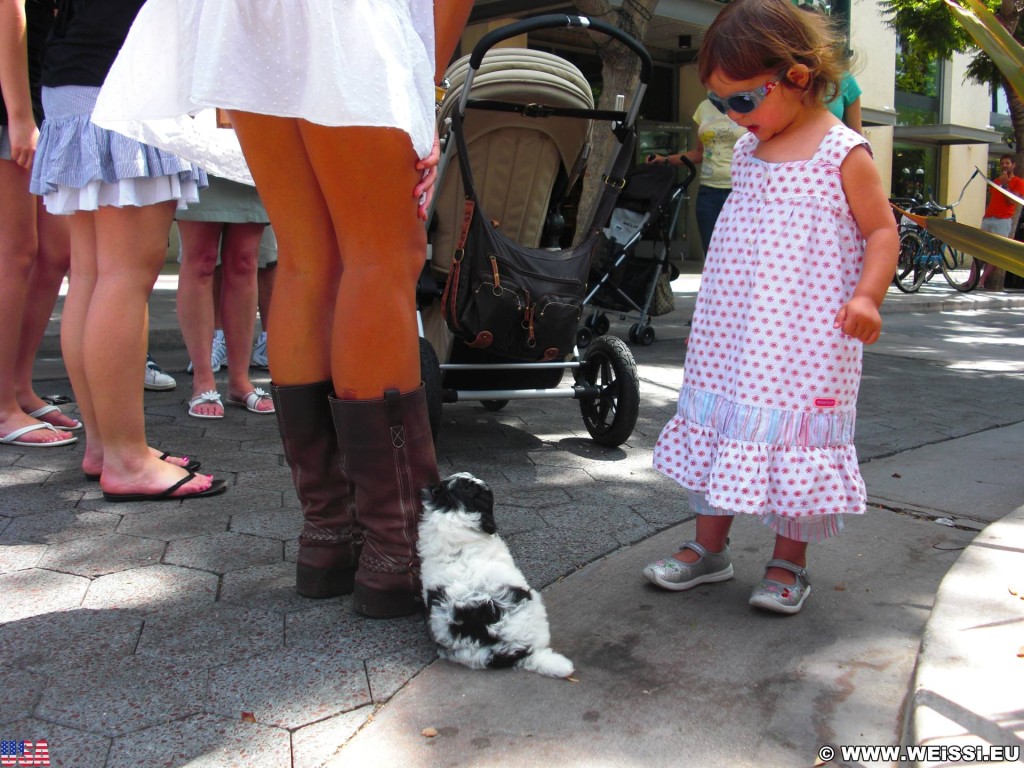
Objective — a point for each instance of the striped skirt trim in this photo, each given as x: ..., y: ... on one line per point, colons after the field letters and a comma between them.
x: 734, y: 421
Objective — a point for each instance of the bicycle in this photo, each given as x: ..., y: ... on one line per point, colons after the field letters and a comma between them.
x: 922, y: 254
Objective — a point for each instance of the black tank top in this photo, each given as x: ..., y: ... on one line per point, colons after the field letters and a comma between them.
x: 86, y: 39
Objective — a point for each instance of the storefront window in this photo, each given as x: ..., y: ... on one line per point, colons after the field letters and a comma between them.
x: 917, y: 86
x: 914, y: 171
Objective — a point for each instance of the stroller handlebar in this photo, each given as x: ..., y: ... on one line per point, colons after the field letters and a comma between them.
x: 691, y: 170
x: 554, y: 21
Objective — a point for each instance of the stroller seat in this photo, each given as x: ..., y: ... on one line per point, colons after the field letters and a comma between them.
x: 623, y: 278
x: 516, y: 159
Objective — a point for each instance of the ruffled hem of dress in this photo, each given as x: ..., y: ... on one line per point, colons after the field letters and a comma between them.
x: 756, y: 478
x: 72, y: 152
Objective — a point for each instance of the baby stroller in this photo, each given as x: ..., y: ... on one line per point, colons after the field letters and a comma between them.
x: 622, y: 280
x: 506, y: 323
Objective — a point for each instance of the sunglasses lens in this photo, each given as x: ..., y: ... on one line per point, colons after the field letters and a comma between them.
x: 743, y: 103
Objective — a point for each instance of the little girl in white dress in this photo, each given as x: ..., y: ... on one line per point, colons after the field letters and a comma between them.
x: 798, y: 265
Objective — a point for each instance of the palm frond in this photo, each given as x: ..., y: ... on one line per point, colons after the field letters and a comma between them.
x: 996, y: 250
x: 992, y: 37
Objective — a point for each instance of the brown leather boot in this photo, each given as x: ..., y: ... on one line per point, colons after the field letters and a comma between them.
x: 328, y: 552
x: 388, y: 451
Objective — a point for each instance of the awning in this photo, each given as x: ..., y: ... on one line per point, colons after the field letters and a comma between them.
x: 946, y: 133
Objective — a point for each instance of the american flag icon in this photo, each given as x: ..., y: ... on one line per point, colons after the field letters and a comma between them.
x: 21, y: 753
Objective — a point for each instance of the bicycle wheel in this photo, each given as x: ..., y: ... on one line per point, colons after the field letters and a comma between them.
x: 960, y: 270
x: 910, y: 273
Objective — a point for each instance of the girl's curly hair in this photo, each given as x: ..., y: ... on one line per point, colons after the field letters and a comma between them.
x: 750, y: 37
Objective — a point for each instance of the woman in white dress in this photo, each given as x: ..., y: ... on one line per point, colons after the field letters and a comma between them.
x: 333, y: 103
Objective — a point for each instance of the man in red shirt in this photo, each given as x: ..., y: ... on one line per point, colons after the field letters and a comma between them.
x: 1001, y: 217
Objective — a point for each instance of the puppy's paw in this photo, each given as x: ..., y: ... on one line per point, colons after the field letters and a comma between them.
x: 547, y: 662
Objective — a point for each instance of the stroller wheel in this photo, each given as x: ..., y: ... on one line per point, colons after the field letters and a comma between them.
x: 611, y: 415
x: 584, y: 336
x: 430, y: 374
x: 493, y: 405
x: 602, y: 325
x: 643, y: 336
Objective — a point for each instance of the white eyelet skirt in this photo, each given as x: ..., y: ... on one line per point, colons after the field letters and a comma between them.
x: 331, y: 62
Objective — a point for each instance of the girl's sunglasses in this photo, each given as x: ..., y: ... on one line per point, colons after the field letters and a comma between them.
x: 743, y: 102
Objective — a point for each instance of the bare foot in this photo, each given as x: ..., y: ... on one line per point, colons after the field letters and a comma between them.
x: 155, y: 477
x: 93, y: 464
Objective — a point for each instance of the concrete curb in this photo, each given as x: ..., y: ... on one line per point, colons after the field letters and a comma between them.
x: 967, y: 685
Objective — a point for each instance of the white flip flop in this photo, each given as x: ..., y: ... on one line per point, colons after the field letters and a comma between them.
x: 12, y: 437
x: 38, y: 413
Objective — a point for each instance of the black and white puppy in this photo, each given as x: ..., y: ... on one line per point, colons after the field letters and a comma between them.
x: 480, y: 610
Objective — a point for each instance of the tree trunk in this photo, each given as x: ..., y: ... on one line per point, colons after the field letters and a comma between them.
x: 1016, y: 107
x: 620, y: 72
x: 1009, y: 14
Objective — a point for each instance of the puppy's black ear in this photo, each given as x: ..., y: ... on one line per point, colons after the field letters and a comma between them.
x: 487, y: 524
x: 475, y: 496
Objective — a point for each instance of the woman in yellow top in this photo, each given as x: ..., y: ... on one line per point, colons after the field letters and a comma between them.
x: 716, y: 135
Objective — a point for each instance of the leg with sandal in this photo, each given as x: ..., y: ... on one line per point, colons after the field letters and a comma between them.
x: 117, y: 247
x: 34, y: 249
x: 228, y: 225
x: 28, y: 292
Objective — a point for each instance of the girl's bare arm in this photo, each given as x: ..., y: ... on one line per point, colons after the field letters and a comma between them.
x: 860, y: 317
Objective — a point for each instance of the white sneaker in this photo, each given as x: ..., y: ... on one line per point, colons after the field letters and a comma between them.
x: 218, y: 353
x: 259, y: 352
x: 156, y: 379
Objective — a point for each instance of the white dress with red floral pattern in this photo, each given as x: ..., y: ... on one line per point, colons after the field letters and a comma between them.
x: 766, y: 413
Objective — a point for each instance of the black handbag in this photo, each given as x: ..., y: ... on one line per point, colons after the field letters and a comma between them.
x: 517, y: 302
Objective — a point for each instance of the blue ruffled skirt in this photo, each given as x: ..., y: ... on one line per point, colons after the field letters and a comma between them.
x: 80, y: 166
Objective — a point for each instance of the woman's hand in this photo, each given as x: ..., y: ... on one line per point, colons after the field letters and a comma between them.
x: 424, y: 191
x: 24, y: 136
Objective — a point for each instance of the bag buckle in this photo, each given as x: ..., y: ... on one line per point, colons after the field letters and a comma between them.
x: 615, y: 183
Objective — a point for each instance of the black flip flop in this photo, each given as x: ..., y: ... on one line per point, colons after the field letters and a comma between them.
x: 192, y: 466
x: 218, y: 486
